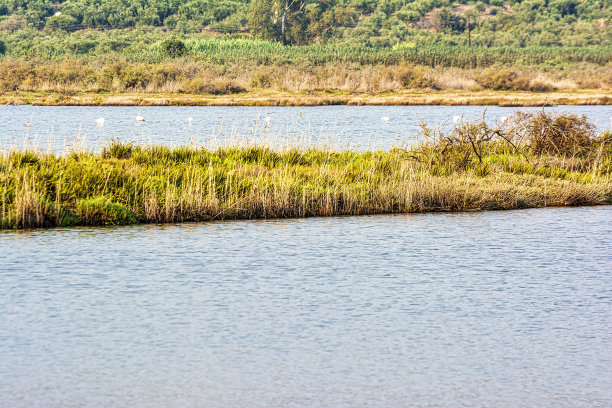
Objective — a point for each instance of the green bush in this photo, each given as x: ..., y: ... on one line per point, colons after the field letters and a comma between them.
x: 101, y: 210
x: 131, y: 78
x: 173, y: 48
x: 118, y: 151
x: 61, y: 22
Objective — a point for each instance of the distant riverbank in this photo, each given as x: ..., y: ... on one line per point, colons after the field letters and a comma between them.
x: 311, y: 98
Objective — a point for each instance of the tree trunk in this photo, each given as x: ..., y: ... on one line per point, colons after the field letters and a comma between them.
x: 469, y: 27
x: 284, y: 23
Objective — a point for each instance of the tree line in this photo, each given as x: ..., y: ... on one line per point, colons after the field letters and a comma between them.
x: 518, y: 23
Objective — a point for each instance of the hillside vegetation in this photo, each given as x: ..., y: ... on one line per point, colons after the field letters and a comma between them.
x: 511, y: 23
x: 233, y: 47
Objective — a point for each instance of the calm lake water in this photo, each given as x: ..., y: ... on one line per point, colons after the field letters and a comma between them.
x: 492, y: 309
x: 60, y: 128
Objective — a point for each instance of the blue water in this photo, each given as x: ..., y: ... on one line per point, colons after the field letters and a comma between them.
x: 59, y: 129
x: 492, y: 309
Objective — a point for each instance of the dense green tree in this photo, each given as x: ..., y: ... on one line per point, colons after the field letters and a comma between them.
x: 60, y: 22
x: 173, y: 48
x: 281, y: 20
x: 327, y: 17
x: 262, y: 20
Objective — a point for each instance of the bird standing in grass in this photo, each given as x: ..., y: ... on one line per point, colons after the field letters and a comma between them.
x: 456, y: 119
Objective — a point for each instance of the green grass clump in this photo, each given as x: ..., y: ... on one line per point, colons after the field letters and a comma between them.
x: 100, y: 210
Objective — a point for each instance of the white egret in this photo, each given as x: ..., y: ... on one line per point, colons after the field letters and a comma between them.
x: 456, y: 119
x: 504, y: 119
x: 139, y: 118
x: 57, y: 14
x: 190, y: 120
x: 268, y: 120
x: 385, y: 119
x: 100, y: 122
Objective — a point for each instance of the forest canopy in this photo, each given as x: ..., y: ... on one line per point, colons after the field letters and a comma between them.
x: 378, y: 23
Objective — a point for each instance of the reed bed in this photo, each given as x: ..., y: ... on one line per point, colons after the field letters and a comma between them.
x: 263, y: 52
x: 71, y: 76
x: 529, y: 161
x: 146, y: 46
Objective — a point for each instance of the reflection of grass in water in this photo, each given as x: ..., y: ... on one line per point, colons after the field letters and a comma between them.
x: 475, y: 167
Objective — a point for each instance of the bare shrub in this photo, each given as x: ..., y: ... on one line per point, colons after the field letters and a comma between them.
x: 503, y: 80
x: 453, y: 79
x: 556, y: 134
x: 215, y: 87
x: 538, y: 86
x: 457, y: 150
x: 410, y: 76
x: 589, y: 84
x: 261, y: 79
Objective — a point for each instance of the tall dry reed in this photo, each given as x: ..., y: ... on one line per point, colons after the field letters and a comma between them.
x: 475, y: 167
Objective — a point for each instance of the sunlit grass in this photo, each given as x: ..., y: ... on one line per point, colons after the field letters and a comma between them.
x: 463, y: 170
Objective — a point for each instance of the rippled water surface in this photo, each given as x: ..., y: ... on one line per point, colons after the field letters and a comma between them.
x: 495, y: 309
x: 59, y: 128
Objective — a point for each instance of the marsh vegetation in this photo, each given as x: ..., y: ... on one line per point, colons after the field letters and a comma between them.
x: 213, y: 66
x: 175, y: 53
x: 529, y: 160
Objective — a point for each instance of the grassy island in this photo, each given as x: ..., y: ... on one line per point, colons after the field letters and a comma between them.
x: 531, y: 160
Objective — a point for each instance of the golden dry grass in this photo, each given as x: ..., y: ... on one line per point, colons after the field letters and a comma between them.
x: 313, y: 98
x: 126, y: 185
x: 72, y: 76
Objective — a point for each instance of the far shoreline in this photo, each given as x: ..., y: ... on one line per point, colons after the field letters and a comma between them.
x: 314, y: 98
